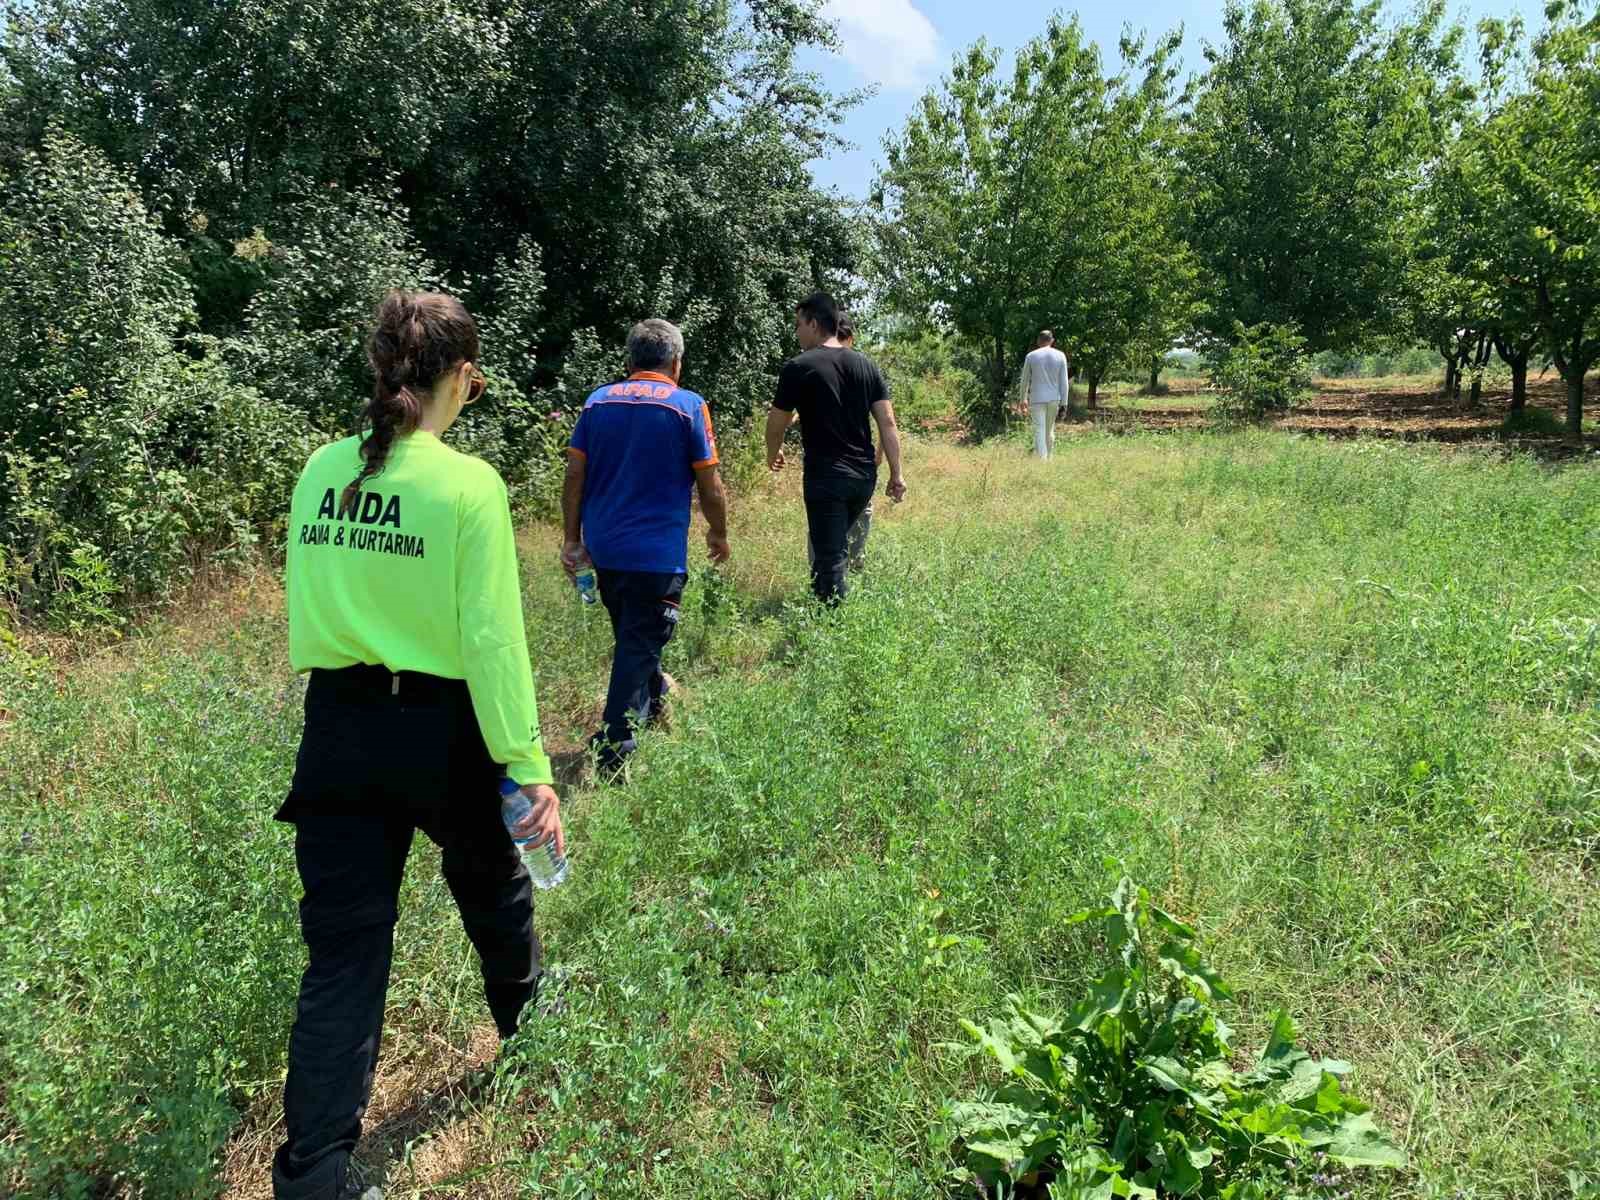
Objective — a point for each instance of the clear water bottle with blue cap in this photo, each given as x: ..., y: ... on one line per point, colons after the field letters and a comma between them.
x: 547, y: 866
x: 588, y: 587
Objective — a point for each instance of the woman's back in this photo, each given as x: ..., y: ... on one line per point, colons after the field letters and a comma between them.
x: 407, y: 576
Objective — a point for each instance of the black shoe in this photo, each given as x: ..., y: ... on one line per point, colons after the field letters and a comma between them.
x: 355, y: 1185
x: 609, y: 756
x: 330, y: 1179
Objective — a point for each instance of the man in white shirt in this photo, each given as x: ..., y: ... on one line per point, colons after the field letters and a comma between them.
x: 1044, y: 387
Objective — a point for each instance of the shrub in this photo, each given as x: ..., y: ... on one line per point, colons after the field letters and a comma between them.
x: 329, y: 260
x: 1264, y: 369
x: 122, y: 455
x: 924, y: 379
x: 1135, y: 1094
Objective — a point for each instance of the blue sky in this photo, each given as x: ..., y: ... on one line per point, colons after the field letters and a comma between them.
x: 903, y: 46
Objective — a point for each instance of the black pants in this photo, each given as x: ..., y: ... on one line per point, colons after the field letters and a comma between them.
x: 374, y: 766
x: 644, y: 616
x: 833, y: 504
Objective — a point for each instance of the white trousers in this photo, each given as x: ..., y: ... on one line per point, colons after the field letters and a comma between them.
x: 1044, y: 428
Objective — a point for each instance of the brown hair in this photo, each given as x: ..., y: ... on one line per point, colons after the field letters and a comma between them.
x: 416, y: 337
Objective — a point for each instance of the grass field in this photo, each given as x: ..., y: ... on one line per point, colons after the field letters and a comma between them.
x: 1335, y: 703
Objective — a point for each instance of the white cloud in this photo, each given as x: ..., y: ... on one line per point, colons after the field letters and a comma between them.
x: 891, y: 42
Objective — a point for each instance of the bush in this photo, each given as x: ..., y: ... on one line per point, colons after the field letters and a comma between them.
x: 1264, y: 369
x: 924, y: 379
x: 1352, y: 364
x: 123, y: 454
x: 328, y: 261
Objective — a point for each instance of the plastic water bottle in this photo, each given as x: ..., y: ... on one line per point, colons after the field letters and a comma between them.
x: 588, y: 588
x: 546, y: 865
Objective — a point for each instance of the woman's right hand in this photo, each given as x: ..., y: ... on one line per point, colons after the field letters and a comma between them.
x: 543, y: 823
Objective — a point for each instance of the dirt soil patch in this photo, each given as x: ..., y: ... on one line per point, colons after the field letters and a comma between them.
x: 1367, y: 408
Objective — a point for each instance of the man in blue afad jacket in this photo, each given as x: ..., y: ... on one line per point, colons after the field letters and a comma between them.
x: 639, y: 449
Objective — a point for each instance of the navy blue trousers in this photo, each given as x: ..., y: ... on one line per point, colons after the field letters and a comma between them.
x: 643, y: 606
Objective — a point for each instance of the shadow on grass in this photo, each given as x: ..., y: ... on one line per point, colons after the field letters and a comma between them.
x: 431, y: 1111
x: 570, y: 767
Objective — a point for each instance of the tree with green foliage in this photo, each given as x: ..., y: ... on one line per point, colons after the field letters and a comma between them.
x: 125, y: 455
x: 1532, y: 166
x: 1464, y: 271
x: 566, y: 166
x: 1305, y: 143
x: 680, y: 189
x: 1011, y: 204
x: 1129, y: 292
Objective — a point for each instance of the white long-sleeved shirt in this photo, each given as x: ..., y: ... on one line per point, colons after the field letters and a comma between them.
x: 1044, y: 376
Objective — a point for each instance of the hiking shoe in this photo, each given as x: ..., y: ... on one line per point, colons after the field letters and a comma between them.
x: 355, y: 1185
x: 330, y: 1179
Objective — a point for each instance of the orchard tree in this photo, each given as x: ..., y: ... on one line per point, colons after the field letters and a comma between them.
x: 224, y: 109
x: 1307, y: 137
x: 966, y: 205
x: 1534, y: 172
x: 1013, y: 203
x: 1128, y: 291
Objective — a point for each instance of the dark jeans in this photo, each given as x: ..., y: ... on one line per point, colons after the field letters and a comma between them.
x: 833, y: 504
x: 644, y: 616
x: 373, y: 768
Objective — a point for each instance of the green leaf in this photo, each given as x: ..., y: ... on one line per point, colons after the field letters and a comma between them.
x: 1268, y: 1120
x: 1107, y: 997
x: 1358, y: 1142
x: 1089, y: 914
x: 1184, y: 962
x: 1182, y: 1177
x: 1171, y: 924
x: 982, y: 1119
x: 1305, y: 1081
x: 1151, y: 1122
x: 1125, y: 1142
x: 997, y: 1048
x: 1175, y: 1077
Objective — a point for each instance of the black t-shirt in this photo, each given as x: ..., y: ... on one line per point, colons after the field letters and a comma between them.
x: 833, y: 390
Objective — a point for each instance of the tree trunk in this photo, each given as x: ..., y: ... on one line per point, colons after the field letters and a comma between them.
x: 1480, y: 360
x: 1515, y: 357
x: 1575, y: 402
x: 1155, y: 376
x: 1449, y: 376
x: 1094, y: 390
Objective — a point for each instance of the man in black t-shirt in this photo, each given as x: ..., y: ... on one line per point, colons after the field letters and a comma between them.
x: 837, y: 394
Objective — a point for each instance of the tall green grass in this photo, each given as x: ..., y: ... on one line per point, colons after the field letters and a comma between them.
x: 1335, y: 704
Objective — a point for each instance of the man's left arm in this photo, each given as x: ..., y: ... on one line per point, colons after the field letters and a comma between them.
x: 703, y: 459
x: 889, y: 440
x: 714, y: 504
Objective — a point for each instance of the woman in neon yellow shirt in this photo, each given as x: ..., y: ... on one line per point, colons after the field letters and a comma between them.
x: 405, y: 606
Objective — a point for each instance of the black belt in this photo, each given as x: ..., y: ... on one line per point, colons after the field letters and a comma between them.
x: 377, y: 680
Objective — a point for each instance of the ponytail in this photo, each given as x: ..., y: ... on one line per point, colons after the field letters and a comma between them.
x: 416, y: 338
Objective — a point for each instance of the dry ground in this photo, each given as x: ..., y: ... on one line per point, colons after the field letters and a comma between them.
x: 1406, y: 408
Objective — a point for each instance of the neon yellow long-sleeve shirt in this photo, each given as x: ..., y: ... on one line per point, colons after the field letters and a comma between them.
x: 422, y: 576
